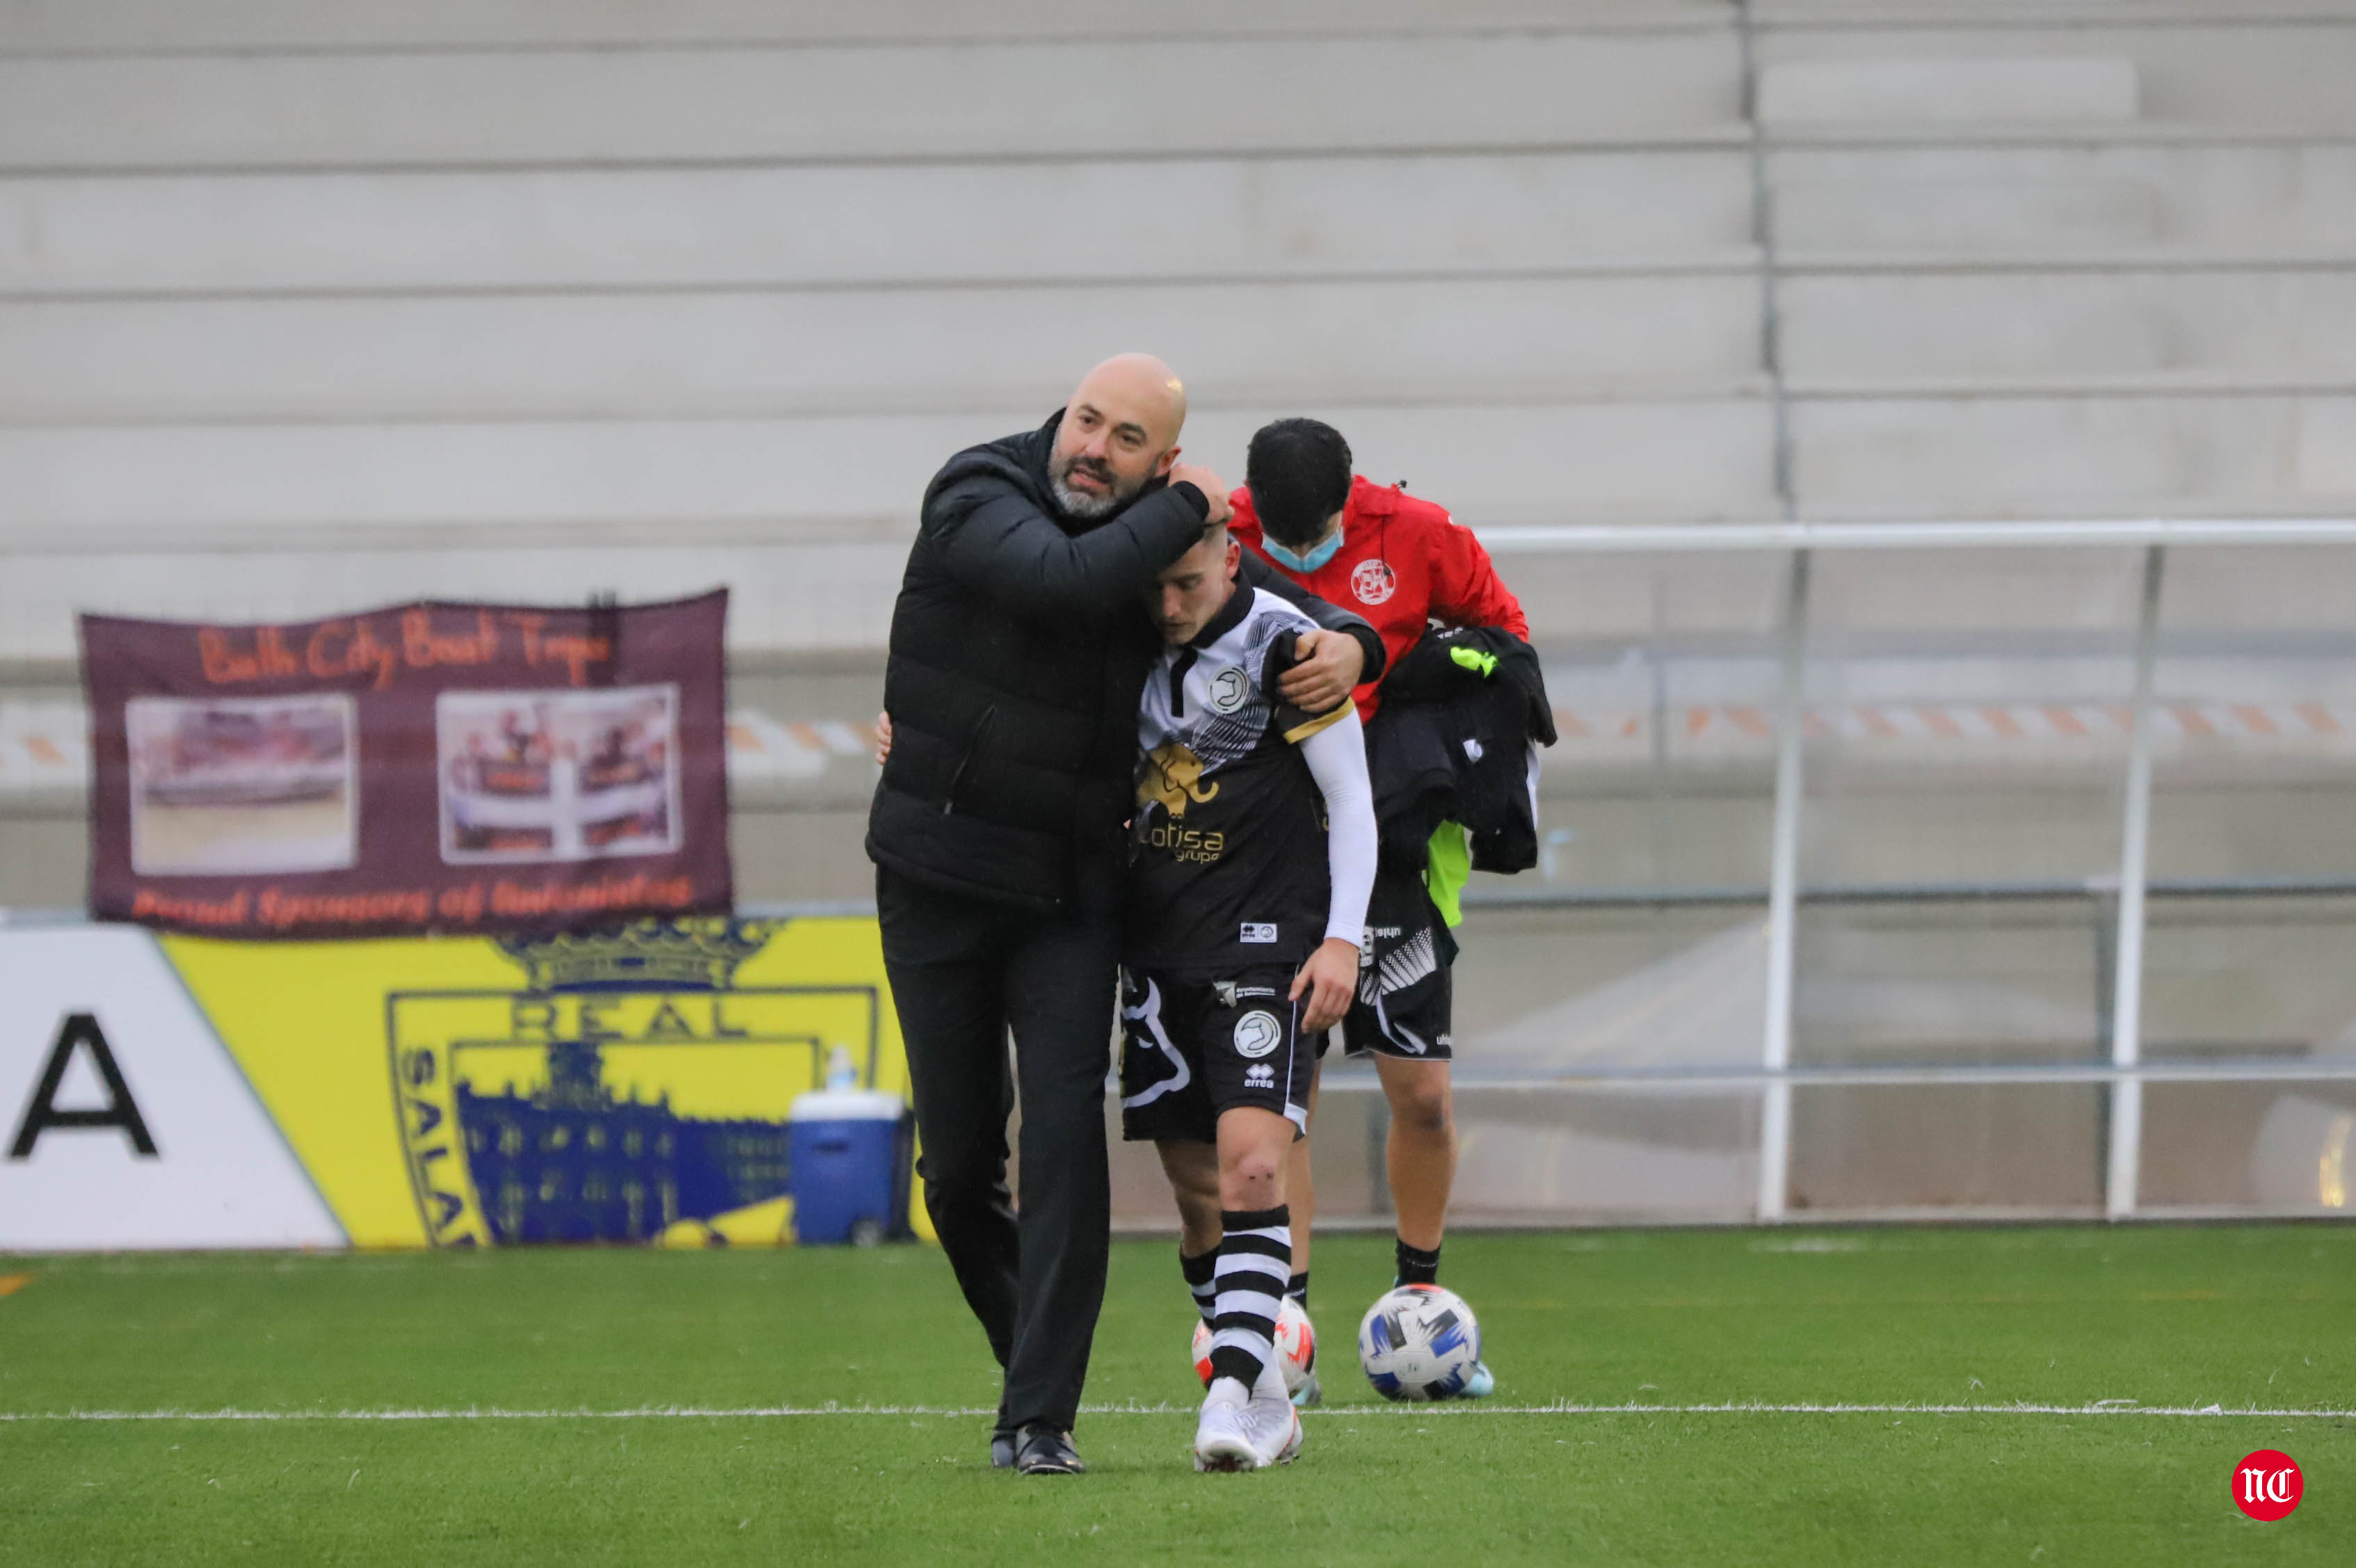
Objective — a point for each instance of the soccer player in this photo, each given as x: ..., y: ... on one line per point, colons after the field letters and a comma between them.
x: 1403, y: 563
x: 1252, y: 853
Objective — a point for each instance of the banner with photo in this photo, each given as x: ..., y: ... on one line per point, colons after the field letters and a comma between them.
x: 421, y: 768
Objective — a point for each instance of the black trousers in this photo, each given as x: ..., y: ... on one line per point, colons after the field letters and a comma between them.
x: 963, y: 972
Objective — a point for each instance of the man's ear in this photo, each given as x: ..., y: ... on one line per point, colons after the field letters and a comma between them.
x: 1161, y: 468
x: 1235, y: 556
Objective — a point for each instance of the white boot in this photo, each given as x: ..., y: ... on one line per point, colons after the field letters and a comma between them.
x: 1224, y: 1432
x: 1276, y: 1425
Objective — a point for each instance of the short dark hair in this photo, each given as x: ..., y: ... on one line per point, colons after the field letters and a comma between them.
x: 1299, y: 471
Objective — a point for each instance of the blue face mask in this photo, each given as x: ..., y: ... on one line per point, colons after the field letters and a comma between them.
x: 1317, y: 556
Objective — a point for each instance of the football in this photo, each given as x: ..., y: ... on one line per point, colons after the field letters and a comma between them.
x: 1418, y: 1342
x: 1296, y: 1346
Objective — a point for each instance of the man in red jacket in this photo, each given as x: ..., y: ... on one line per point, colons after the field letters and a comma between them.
x: 1401, y: 562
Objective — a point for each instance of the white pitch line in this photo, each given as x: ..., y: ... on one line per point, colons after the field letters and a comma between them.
x: 757, y: 1412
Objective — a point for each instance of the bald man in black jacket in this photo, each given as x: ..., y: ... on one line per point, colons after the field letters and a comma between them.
x: 1019, y: 646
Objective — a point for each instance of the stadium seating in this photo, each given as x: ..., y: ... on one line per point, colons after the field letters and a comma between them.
x: 309, y: 305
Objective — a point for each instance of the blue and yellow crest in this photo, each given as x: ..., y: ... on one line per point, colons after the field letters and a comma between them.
x: 629, y: 1091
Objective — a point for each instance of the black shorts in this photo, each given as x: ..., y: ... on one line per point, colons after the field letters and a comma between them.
x: 1406, y: 1001
x: 1194, y: 1048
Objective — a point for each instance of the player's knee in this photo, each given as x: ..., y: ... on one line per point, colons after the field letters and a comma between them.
x: 1424, y: 1109
x: 1251, y: 1179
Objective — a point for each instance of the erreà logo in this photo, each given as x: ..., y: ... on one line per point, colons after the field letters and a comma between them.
x: 628, y: 1091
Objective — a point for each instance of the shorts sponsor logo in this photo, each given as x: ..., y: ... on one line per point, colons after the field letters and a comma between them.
x: 1257, y: 931
x: 1257, y: 1034
x: 1230, y: 690
x: 1373, y: 581
x: 1259, y: 1077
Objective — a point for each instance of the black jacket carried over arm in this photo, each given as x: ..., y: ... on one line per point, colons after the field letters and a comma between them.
x: 1019, y: 646
x: 1456, y: 740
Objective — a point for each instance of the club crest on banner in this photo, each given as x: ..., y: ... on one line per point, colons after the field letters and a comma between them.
x: 627, y: 1091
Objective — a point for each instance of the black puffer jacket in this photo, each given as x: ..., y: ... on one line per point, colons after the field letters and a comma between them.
x: 1019, y: 646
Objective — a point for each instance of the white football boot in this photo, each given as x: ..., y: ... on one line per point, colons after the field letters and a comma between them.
x: 1224, y: 1434
x: 1276, y: 1425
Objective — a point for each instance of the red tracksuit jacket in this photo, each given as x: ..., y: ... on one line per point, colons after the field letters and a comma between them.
x: 1403, y: 562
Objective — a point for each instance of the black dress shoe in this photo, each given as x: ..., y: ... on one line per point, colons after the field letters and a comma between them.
x: 1002, y: 1450
x: 1044, y: 1451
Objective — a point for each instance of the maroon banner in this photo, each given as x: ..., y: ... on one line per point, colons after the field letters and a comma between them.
x: 425, y: 768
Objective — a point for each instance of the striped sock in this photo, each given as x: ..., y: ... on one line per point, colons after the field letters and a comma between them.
x: 1298, y: 1288
x: 1201, y: 1272
x: 1255, y: 1263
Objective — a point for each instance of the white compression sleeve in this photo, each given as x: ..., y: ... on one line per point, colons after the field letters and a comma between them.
x: 1336, y: 756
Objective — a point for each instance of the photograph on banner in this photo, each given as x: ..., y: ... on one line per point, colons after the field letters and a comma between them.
x: 241, y: 784
x: 421, y: 768
x: 526, y: 775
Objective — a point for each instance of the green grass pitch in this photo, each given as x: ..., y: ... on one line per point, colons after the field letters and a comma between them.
x: 630, y: 1407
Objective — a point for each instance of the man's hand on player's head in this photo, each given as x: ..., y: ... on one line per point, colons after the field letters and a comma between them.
x: 1330, y: 979
x: 1325, y: 671
x: 1214, y: 488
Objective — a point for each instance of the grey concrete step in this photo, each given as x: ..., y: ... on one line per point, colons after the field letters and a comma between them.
x: 426, y: 483
x: 2074, y: 457
x: 1978, y: 200
x: 724, y: 354
x: 2278, y: 326
x: 1952, y: 92
x: 973, y: 102
x: 132, y: 26
x: 1236, y: 218
x: 2220, y: 71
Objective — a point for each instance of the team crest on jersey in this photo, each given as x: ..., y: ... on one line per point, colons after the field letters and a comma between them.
x: 1173, y: 775
x: 1257, y: 1034
x: 628, y: 1091
x: 1374, y: 582
x: 1230, y: 690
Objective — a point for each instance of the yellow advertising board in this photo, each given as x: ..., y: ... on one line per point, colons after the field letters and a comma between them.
x: 631, y: 1085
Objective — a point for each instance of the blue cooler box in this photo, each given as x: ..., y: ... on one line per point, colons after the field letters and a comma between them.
x: 849, y: 1153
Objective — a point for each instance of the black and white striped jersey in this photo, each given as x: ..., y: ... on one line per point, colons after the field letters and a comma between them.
x: 1228, y: 863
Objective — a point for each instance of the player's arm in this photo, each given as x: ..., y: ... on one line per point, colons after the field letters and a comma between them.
x: 1336, y: 754
x: 1330, y: 666
x: 994, y: 539
x: 1465, y: 587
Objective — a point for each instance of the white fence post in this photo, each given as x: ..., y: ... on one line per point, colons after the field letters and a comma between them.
x: 1783, y: 900
x: 2127, y: 995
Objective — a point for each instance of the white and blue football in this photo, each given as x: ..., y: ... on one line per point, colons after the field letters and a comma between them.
x: 1418, y: 1342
